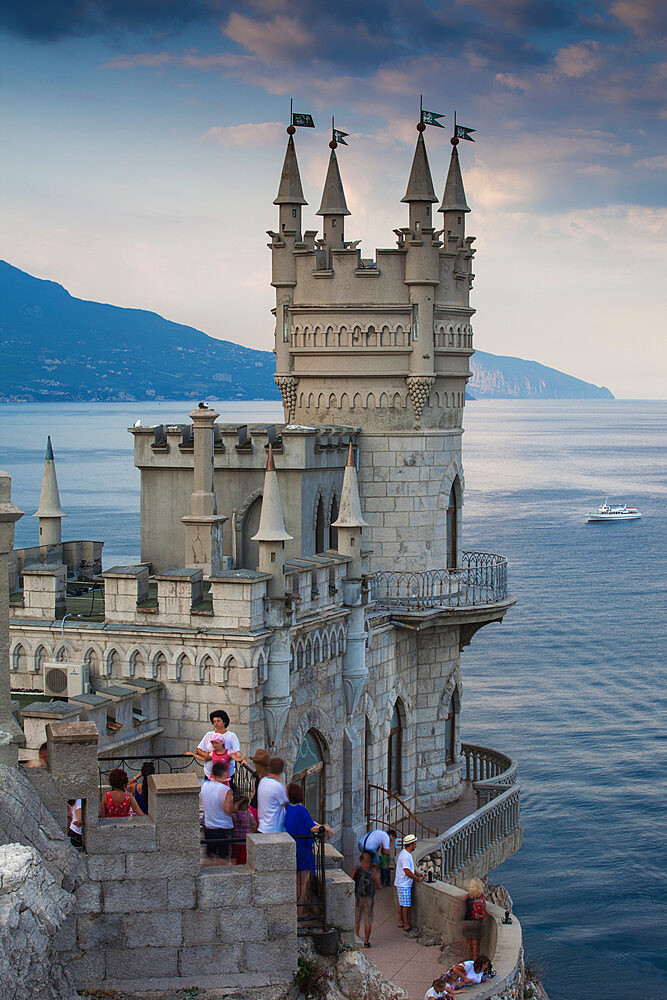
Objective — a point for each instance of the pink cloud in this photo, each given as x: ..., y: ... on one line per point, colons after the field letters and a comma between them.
x: 250, y: 135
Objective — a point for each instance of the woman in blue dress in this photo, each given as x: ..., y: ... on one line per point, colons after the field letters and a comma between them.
x: 301, y: 826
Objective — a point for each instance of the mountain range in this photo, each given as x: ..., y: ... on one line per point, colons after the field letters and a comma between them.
x: 59, y: 348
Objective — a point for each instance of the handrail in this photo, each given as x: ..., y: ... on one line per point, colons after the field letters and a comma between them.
x: 481, y: 579
x: 385, y: 809
x: 475, y: 834
x: 490, y: 771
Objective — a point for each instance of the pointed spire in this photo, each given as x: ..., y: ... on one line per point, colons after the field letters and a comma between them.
x: 333, y: 195
x: 349, y: 512
x: 420, y: 185
x: 290, y: 191
x: 271, y: 521
x: 49, y: 498
x: 454, y: 198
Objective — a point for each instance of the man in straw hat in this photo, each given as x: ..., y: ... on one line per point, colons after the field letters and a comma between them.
x: 405, y: 876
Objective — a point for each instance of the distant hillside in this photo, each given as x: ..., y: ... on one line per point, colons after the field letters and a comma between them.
x: 56, y: 347
x: 498, y: 377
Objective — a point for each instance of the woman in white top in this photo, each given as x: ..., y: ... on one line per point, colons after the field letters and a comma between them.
x: 74, y: 824
x: 472, y: 971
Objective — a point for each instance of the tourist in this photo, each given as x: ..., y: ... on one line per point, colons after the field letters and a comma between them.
x: 261, y: 762
x: 365, y: 884
x: 405, y: 876
x: 473, y: 971
x: 138, y: 785
x: 272, y: 798
x: 473, y: 917
x: 204, y: 752
x: 41, y: 760
x: 301, y: 826
x: 244, y: 823
x: 74, y: 823
x: 442, y: 987
x: 118, y: 802
x: 378, y: 844
x: 217, y: 800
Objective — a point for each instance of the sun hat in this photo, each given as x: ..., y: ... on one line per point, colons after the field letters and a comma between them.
x: 410, y: 839
x: 262, y: 756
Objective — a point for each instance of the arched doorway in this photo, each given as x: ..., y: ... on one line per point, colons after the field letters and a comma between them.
x: 452, y: 526
x: 250, y: 549
x: 395, y: 750
x: 308, y: 772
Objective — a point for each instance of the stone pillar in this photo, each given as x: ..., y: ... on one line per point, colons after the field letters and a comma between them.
x: 11, y: 736
x: 277, y: 697
x: 72, y: 758
x: 203, y: 525
x: 173, y: 805
x: 354, y: 825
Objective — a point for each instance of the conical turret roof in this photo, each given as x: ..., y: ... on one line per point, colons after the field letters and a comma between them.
x: 271, y: 521
x: 420, y: 184
x: 49, y: 498
x: 290, y: 191
x: 454, y: 198
x: 349, y: 512
x: 333, y: 196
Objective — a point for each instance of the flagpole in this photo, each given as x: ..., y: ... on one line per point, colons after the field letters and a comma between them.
x: 290, y: 128
x: 454, y: 139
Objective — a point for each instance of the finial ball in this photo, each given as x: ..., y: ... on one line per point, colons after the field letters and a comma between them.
x: 421, y: 127
x: 333, y: 144
x: 290, y: 130
x: 454, y: 140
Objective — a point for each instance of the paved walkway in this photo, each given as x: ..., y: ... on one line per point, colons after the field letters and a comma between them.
x: 442, y: 819
x: 398, y: 957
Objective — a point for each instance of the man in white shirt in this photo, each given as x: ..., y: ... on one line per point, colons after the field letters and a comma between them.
x: 376, y: 842
x: 272, y: 799
x: 405, y: 876
x: 218, y: 802
x: 219, y: 721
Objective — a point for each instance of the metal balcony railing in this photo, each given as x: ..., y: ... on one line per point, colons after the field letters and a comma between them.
x: 481, y: 579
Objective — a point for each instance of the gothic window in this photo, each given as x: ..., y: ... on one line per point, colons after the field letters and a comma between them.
x: 159, y: 666
x: 61, y: 655
x: 395, y: 750
x: 299, y: 656
x: 250, y: 549
x: 113, y: 664
x: 333, y: 532
x: 450, y: 731
x: 325, y: 648
x: 308, y: 772
x: 452, y: 525
x: 316, y: 650
x: 19, y: 658
x: 40, y: 657
x: 309, y: 654
x: 320, y: 528
x: 137, y: 664
x: 92, y: 660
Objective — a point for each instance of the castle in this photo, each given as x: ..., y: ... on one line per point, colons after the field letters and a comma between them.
x: 310, y: 577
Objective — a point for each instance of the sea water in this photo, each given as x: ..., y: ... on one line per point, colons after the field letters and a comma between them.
x: 571, y: 683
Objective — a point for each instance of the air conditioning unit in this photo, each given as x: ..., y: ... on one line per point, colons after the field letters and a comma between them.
x: 66, y: 680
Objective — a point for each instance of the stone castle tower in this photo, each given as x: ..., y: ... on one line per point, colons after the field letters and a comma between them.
x: 382, y: 345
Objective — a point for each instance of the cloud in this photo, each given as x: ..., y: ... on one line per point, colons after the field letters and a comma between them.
x: 579, y: 59
x: 152, y: 60
x: 653, y: 163
x: 644, y: 17
x: 250, y: 135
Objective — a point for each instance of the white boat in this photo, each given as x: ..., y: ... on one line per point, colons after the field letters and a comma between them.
x: 617, y: 513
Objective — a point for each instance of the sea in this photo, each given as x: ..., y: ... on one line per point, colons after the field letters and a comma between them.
x: 572, y: 683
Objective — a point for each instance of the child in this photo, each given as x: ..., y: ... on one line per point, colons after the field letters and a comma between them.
x: 473, y: 917
x: 365, y: 883
x: 118, y: 801
x: 385, y: 874
x: 219, y: 753
x: 244, y: 823
x: 442, y: 987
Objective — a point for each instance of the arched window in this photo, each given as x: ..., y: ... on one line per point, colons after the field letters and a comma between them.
x: 159, y: 666
x: 206, y: 667
x: 452, y: 526
x: 320, y: 533
x: 325, y: 647
x: 19, y: 659
x: 113, y: 664
x: 137, y: 664
x: 40, y: 657
x: 61, y: 655
x: 308, y: 772
x: 92, y: 660
x: 299, y: 656
x: 395, y: 750
x: 333, y: 532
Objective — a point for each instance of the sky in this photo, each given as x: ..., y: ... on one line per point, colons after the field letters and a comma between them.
x: 143, y: 142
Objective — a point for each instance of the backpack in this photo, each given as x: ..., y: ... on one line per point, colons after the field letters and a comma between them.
x: 476, y: 907
x: 365, y: 884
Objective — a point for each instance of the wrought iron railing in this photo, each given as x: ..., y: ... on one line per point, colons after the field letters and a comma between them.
x: 385, y: 811
x: 312, y: 914
x: 481, y: 579
x: 243, y: 779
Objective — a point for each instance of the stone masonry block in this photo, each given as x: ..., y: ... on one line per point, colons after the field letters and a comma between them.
x: 200, y: 927
x: 181, y: 893
x: 279, y: 956
x: 235, y: 924
x: 143, y: 963
x: 89, y: 968
x: 89, y: 897
x: 141, y: 896
x: 271, y: 852
x: 219, y: 959
x: 273, y: 887
x: 162, y: 865
x: 106, y: 867
x: 160, y: 929
x: 174, y: 839
x: 111, y: 836
x: 280, y: 922
x: 232, y: 888
x: 105, y: 930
